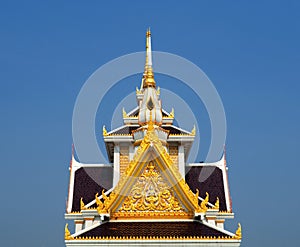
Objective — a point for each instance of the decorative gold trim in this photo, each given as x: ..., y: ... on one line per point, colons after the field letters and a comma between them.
x: 104, y: 131
x: 180, y: 135
x: 225, y: 212
x: 238, y: 233
x: 217, y: 204
x: 82, y: 205
x: 193, y: 132
x: 124, y: 113
x: 164, y: 161
x: 206, y: 238
x: 151, y: 193
x: 172, y: 113
x: 119, y: 135
x: 68, y: 235
x: 158, y: 91
x: 75, y: 212
x: 138, y: 91
x: 152, y: 215
x: 203, y: 205
x: 100, y: 205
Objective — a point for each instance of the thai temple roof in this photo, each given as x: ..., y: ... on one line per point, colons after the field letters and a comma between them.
x: 147, y: 194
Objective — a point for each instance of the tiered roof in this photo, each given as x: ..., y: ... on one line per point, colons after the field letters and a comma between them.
x: 152, y: 200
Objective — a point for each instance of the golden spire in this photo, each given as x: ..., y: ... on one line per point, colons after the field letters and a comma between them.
x: 148, y: 77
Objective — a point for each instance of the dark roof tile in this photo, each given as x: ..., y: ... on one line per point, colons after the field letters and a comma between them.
x: 89, y: 181
x: 213, y: 184
x: 153, y: 229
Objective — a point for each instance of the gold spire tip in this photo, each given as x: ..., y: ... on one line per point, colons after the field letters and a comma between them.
x: 148, y: 33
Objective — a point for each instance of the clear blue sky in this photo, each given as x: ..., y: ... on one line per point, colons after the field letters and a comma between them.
x: 249, y: 49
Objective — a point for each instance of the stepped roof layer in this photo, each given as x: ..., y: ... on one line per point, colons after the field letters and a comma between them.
x: 154, y: 229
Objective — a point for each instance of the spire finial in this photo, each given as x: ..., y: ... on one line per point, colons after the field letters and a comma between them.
x: 148, y: 78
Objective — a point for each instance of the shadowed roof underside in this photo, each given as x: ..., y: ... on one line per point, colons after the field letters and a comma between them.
x: 153, y: 229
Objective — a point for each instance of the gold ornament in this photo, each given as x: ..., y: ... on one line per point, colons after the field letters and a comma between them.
x: 82, y: 206
x: 68, y: 235
x: 124, y: 113
x: 193, y: 132
x: 217, y: 204
x: 238, y: 233
x: 104, y: 131
x: 172, y: 113
x: 203, y: 204
x: 151, y: 193
x: 158, y: 91
x: 100, y: 205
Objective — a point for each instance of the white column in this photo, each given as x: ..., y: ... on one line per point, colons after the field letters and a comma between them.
x: 211, y: 220
x: 131, y: 152
x: 220, y: 223
x: 78, y: 225
x: 88, y: 222
x: 181, y: 163
x: 116, y: 164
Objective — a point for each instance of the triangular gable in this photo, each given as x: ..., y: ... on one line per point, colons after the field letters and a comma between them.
x: 151, y: 195
x: 151, y: 149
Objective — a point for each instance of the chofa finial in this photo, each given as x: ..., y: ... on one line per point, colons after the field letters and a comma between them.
x: 104, y: 131
x: 82, y: 205
x: 193, y: 132
x: 238, y: 232
x: 217, y: 204
x: 68, y: 235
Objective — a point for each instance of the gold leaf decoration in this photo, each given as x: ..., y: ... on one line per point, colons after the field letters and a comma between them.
x: 151, y: 193
x: 204, y: 203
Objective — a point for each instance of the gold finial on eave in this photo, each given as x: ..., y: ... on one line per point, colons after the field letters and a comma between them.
x: 68, y: 235
x: 82, y: 205
x: 104, y: 131
x: 124, y: 113
x: 138, y: 91
x: 238, y: 233
x: 100, y: 205
x: 193, y: 132
x: 158, y: 91
x: 203, y: 204
x: 217, y: 204
x: 172, y: 114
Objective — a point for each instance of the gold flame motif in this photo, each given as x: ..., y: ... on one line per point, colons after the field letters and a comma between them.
x: 151, y: 193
